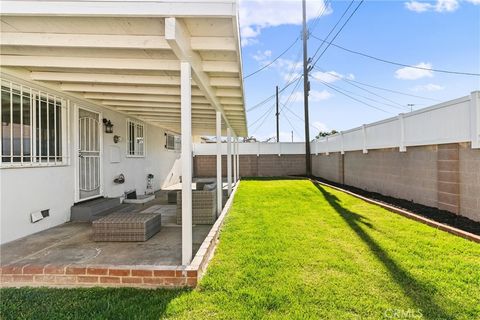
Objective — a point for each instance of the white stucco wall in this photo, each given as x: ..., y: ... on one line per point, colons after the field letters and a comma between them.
x: 25, y: 190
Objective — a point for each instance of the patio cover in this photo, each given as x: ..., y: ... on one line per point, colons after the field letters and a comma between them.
x: 126, y: 56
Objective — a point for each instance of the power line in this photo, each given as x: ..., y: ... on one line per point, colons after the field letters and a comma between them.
x: 384, y: 89
x: 317, y: 19
x: 399, y: 106
x: 273, y: 61
x: 298, y: 117
x: 264, y: 119
x: 331, y: 30
x: 353, y: 98
x: 359, y: 87
x: 291, y: 124
x: 338, y: 32
x: 397, y: 63
x: 263, y: 114
x: 273, y: 95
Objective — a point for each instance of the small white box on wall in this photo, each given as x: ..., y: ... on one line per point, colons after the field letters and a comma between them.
x: 115, y: 154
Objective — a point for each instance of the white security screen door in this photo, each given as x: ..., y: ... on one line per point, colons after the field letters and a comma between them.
x: 89, y: 154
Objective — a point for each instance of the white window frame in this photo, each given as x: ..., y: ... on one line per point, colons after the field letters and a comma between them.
x: 176, y: 142
x: 35, y: 158
x: 143, y: 130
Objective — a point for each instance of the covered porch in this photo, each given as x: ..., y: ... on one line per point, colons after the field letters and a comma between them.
x: 175, y: 66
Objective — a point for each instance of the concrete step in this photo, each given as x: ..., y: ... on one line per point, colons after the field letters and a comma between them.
x: 87, y: 211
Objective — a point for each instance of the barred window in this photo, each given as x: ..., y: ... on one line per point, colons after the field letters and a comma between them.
x: 173, y: 142
x: 32, y: 126
x: 135, y: 139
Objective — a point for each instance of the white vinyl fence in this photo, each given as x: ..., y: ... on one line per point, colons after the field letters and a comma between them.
x: 448, y: 122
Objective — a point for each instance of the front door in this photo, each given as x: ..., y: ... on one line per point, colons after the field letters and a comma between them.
x: 89, y: 154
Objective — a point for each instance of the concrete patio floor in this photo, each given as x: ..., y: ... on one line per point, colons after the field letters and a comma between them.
x: 72, y: 243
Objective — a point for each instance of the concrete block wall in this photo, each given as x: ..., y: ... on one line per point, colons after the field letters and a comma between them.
x: 410, y: 175
x: 469, y: 178
x: 265, y: 165
x: 328, y: 167
x: 446, y: 176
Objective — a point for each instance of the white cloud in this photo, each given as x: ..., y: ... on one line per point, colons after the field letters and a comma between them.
x: 428, y: 87
x: 262, y: 56
x: 438, y: 6
x: 409, y: 73
x: 474, y: 1
x: 256, y: 15
x: 331, y: 76
x: 315, y: 96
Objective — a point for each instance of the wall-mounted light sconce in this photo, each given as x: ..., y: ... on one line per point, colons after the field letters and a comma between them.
x: 108, y: 125
x: 117, y: 139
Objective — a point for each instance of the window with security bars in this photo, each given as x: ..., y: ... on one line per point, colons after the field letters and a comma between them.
x: 32, y: 126
x: 173, y: 142
x: 135, y: 139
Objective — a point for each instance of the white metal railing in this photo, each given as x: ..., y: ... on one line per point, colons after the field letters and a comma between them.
x: 448, y: 122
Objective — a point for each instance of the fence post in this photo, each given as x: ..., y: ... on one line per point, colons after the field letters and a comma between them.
x: 326, y: 147
x: 402, y: 147
x: 279, y: 149
x: 364, y: 131
x: 475, y: 119
x: 258, y: 149
x: 342, y: 151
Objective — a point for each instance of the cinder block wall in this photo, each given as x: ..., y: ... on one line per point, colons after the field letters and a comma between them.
x: 328, y: 167
x: 410, y: 175
x: 444, y: 176
x: 265, y: 165
x: 469, y: 178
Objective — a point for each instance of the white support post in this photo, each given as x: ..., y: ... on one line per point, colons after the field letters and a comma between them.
x: 238, y: 160
x: 326, y: 147
x: 229, y: 160
x: 364, y: 132
x: 235, y: 150
x: 475, y: 119
x: 186, y: 130
x: 402, y: 147
x: 219, y: 163
x: 342, y: 151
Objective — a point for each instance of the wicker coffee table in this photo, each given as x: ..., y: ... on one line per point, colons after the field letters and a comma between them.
x: 127, y: 226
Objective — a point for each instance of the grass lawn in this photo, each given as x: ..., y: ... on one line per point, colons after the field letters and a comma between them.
x: 290, y: 249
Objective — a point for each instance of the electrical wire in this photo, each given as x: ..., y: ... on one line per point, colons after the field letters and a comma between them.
x: 338, y: 32
x: 353, y: 98
x: 331, y: 30
x: 396, y: 63
x: 361, y: 88
x: 384, y: 89
x: 273, y: 96
x: 273, y: 61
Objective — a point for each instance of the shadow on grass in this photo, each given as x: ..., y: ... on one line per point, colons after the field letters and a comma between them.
x: 86, y: 303
x: 418, y: 293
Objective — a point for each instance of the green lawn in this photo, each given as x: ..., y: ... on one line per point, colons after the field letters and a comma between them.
x: 290, y: 249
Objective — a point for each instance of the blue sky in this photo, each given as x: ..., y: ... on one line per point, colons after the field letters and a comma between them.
x: 441, y: 34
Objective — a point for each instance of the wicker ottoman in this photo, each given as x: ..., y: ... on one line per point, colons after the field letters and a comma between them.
x: 127, y: 227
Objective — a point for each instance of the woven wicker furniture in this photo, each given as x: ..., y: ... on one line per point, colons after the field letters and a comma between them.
x: 133, y: 226
x: 204, y: 206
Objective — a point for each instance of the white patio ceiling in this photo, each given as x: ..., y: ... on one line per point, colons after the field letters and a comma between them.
x: 125, y: 55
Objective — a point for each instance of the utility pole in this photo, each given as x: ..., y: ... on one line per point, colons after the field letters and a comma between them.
x: 292, y: 135
x: 277, y: 114
x: 306, y: 89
